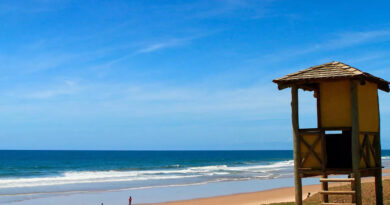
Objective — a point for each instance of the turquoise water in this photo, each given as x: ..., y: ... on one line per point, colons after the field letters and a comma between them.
x: 34, y: 174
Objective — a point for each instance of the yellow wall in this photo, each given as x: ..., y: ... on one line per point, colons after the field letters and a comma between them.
x: 368, y: 107
x: 311, y: 161
x: 336, y: 105
x: 335, y: 101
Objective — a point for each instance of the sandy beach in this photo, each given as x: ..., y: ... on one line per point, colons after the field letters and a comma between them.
x: 262, y: 197
x: 242, y: 192
x: 285, y: 194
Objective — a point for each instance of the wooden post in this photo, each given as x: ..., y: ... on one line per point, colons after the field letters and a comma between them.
x: 323, y: 149
x: 378, y: 156
x: 319, y: 117
x: 325, y: 197
x: 352, y: 188
x: 378, y: 173
x: 355, y: 142
x: 296, y: 142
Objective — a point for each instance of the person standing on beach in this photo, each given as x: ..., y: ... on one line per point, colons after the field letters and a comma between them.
x: 130, y: 199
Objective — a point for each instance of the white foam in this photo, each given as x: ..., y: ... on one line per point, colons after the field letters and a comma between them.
x: 82, y: 177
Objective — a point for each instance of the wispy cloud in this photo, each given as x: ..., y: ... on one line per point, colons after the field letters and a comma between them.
x: 153, y: 46
x: 38, y: 61
x: 145, y: 100
x: 32, y: 6
x: 338, y: 41
x: 162, y: 45
x: 65, y: 88
x: 170, y: 43
x: 347, y: 39
x: 211, y: 9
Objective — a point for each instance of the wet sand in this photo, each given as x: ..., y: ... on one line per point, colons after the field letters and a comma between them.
x: 285, y: 194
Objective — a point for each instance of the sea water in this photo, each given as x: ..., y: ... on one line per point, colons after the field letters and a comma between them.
x: 35, y: 174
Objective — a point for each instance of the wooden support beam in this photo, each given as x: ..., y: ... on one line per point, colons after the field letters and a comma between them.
x: 369, y: 133
x: 368, y: 151
x: 296, y: 142
x: 355, y: 141
x: 324, y: 184
x: 323, y: 151
x: 325, y: 179
x: 371, y: 149
x: 378, y: 159
x: 311, y: 150
x: 378, y: 174
x: 352, y: 187
x: 319, y: 115
x: 336, y: 128
x: 363, y: 150
x: 337, y: 192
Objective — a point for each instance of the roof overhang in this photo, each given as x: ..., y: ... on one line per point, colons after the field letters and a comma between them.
x: 308, y: 79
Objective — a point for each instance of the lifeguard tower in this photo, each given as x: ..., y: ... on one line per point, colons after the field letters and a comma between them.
x: 347, y: 139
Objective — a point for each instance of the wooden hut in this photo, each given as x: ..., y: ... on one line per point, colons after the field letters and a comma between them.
x: 347, y: 139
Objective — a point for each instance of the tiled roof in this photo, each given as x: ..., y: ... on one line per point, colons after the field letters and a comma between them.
x: 328, y: 71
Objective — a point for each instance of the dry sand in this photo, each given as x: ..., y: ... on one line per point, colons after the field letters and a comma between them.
x: 261, y: 197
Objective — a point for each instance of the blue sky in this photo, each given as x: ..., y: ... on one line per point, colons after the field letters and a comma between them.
x: 174, y: 74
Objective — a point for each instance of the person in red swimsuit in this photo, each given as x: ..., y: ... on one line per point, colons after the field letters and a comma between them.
x: 130, y: 199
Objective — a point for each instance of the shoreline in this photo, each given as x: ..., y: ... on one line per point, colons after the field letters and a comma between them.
x: 250, y: 192
x: 276, y: 195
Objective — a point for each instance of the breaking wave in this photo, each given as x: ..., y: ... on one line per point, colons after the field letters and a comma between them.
x: 271, y: 170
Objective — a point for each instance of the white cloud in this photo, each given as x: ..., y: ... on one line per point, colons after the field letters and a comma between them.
x: 212, y: 9
x: 151, y: 47
x: 347, y: 39
x: 158, y: 46
x: 337, y: 41
x: 32, y: 6
x: 67, y: 87
x: 130, y: 100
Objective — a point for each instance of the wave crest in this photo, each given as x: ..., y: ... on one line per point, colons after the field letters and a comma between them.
x: 81, y: 177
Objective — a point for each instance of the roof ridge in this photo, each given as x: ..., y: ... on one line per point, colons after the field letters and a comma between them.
x: 348, y: 66
x: 322, y: 65
x: 307, y: 70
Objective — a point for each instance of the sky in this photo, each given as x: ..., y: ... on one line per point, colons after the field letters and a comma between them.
x: 174, y: 75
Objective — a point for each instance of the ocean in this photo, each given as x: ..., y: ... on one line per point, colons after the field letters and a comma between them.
x: 35, y: 174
